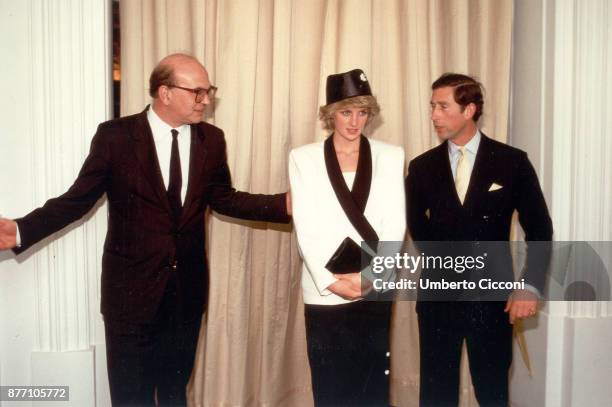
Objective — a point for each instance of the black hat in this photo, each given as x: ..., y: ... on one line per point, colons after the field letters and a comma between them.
x: 347, y: 85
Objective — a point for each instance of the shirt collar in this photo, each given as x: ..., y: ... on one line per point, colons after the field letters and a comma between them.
x: 471, y: 146
x: 159, y: 127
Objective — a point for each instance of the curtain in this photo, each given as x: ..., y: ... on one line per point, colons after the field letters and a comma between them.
x: 270, y: 60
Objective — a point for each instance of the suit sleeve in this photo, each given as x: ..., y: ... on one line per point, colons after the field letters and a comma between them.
x: 535, y: 221
x: 227, y: 201
x: 59, y: 212
x: 308, y: 230
x: 416, y: 205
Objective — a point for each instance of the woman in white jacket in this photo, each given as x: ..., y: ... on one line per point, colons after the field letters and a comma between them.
x: 346, y: 187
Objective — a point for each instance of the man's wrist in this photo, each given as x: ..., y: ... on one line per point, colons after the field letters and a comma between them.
x: 533, y: 290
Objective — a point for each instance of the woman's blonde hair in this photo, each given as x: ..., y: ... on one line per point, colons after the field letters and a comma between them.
x: 326, y: 113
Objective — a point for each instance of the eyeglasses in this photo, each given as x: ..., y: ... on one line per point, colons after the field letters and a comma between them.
x: 199, y: 92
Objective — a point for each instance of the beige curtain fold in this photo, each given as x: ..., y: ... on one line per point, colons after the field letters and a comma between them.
x: 270, y: 60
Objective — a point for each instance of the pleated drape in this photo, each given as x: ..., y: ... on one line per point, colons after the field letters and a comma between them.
x: 270, y: 60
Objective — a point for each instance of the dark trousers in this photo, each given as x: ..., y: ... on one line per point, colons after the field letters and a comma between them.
x: 347, y: 351
x: 443, y: 326
x: 153, y: 359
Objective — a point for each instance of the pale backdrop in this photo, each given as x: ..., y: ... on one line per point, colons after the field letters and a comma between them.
x: 270, y: 60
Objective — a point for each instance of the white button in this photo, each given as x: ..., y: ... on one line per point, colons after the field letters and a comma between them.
x: 388, y: 354
x: 386, y: 372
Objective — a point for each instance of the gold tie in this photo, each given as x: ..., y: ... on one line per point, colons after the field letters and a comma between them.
x: 462, y: 178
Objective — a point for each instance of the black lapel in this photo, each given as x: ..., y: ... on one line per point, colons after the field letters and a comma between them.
x: 444, y: 175
x: 144, y: 148
x: 348, y: 202
x: 197, y: 156
x: 363, y: 178
x: 481, y: 173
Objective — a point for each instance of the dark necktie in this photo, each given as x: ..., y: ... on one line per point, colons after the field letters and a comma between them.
x: 176, y: 179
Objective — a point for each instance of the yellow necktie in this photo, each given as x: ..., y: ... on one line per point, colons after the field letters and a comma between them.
x: 462, y: 177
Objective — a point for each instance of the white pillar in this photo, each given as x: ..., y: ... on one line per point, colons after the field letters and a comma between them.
x: 561, y: 115
x: 64, y: 87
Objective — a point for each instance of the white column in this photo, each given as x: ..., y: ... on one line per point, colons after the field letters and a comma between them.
x: 70, y: 87
x: 561, y: 115
x: 582, y: 109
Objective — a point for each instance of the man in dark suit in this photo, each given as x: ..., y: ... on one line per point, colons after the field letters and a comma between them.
x: 467, y: 189
x: 160, y: 169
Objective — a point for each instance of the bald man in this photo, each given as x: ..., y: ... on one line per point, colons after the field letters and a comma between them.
x: 160, y: 170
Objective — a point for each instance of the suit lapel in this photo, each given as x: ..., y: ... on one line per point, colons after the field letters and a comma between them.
x: 484, y: 167
x: 197, y: 157
x: 352, y: 204
x: 444, y: 175
x: 363, y: 178
x: 144, y: 148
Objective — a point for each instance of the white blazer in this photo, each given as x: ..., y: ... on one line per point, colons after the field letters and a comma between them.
x: 320, y: 222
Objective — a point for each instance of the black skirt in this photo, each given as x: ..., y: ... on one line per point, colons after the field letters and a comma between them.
x: 348, y: 347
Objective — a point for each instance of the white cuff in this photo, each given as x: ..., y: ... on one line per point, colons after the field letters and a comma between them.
x: 18, y: 238
x: 328, y: 281
x: 534, y: 290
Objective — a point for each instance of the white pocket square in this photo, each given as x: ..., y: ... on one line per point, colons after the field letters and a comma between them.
x: 494, y: 187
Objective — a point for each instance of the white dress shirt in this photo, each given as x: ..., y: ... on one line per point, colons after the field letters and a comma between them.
x: 470, y: 150
x: 162, y: 137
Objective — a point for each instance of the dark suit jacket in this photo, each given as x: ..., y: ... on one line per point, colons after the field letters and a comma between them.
x: 436, y: 214
x: 143, y: 240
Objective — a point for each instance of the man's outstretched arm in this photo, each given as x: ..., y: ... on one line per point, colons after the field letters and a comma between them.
x: 59, y: 212
x: 227, y: 201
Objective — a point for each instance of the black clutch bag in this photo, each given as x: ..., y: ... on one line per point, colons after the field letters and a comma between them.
x: 347, y: 258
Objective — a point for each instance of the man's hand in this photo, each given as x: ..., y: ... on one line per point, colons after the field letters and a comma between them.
x: 288, y: 201
x: 8, y: 234
x: 521, y: 304
x: 348, y: 286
